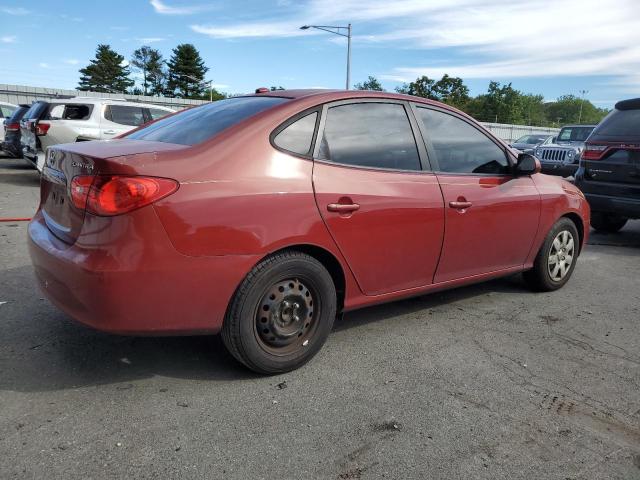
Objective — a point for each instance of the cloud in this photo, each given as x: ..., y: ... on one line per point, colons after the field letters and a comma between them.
x: 8, y: 39
x: 160, y: 7
x: 150, y: 39
x: 484, y: 39
x: 71, y: 61
x: 44, y: 65
x: 15, y: 10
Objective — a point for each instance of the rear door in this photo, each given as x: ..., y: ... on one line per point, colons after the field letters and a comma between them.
x: 491, y: 216
x: 120, y: 118
x: 382, y: 207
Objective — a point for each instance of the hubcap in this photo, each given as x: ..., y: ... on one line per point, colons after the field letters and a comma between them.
x: 285, y: 316
x: 561, y: 255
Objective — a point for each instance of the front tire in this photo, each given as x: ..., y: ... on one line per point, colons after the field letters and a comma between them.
x: 281, y: 314
x: 610, y: 223
x: 556, y: 259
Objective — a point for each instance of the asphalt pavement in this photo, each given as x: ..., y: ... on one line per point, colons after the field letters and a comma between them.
x: 489, y: 381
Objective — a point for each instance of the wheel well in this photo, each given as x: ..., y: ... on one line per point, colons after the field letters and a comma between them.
x: 575, y: 218
x: 330, y: 262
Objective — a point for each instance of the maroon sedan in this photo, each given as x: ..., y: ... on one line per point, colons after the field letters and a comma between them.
x: 264, y: 216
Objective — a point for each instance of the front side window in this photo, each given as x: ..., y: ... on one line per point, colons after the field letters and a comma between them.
x: 461, y: 148
x: 125, y: 115
x: 297, y: 136
x: 374, y: 135
x: 195, y: 125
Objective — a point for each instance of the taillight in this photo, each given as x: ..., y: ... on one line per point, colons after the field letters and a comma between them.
x: 594, y: 152
x: 42, y: 128
x: 12, y: 127
x: 108, y: 195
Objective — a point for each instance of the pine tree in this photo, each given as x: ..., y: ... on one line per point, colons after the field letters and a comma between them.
x: 106, y: 73
x: 149, y: 62
x: 186, y: 72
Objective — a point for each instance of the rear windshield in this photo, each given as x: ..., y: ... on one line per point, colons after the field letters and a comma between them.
x: 202, y: 123
x: 36, y: 110
x: 619, y: 124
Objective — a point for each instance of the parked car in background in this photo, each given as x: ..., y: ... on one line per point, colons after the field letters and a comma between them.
x: 6, y: 110
x: 11, y: 143
x: 609, y: 173
x: 562, y: 155
x: 528, y: 143
x: 264, y: 216
x: 81, y: 119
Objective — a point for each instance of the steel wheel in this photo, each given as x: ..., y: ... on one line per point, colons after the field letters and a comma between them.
x: 285, y: 318
x: 561, y: 255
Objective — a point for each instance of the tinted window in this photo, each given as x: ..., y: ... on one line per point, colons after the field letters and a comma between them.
x: 125, y: 115
x: 619, y: 123
x: 460, y: 147
x: 157, y: 113
x: 36, y: 110
x: 374, y: 135
x: 195, y: 125
x: 18, y: 114
x: 574, y: 134
x: 297, y: 137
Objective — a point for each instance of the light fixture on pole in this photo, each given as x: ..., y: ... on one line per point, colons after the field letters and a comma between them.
x: 337, y: 31
x: 583, y: 93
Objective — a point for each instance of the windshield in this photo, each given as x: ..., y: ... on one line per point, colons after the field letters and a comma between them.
x: 198, y: 124
x: 620, y: 123
x: 531, y: 139
x: 574, y: 134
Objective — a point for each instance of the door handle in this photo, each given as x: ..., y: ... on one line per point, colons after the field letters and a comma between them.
x: 109, y: 132
x: 343, y: 207
x: 460, y: 205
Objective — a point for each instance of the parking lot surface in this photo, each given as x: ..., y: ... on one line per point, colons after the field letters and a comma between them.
x: 487, y: 381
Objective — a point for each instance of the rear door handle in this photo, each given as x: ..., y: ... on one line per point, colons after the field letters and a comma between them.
x: 343, y: 207
x: 109, y: 132
x: 460, y: 205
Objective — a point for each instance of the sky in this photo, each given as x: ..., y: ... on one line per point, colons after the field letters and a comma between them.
x: 548, y: 47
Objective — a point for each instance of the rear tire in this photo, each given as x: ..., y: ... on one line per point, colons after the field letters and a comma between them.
x: 604, y: 222
x: 556, y: 258
x: 281, y: 314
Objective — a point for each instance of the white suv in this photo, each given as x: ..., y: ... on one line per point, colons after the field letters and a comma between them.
x: 80, y: 119
x: 6, y: 110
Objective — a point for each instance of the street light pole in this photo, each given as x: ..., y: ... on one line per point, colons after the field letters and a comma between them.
x: 583, y: 92
x: 337, y: 30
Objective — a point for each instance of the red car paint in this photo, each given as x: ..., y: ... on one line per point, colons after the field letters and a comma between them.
x: 172, y: 267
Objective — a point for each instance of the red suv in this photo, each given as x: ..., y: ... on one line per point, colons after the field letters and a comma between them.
x: 264, y: 216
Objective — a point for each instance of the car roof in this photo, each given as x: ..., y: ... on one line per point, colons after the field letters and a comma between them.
x: 98, y: 100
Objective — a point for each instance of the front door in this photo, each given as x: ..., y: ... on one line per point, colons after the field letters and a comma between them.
x: 384, y: 211
x: 491, y: 215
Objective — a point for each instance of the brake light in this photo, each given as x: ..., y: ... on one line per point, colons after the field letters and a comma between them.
x: 262, y: 90
x: 594, y: 152
x: 109, y: 195
x: 42, y: 128
x: 11, y: 127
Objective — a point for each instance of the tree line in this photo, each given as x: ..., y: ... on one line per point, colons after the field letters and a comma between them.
x: 180, y: 76
x: 183, y: 76
x: 500, y: 104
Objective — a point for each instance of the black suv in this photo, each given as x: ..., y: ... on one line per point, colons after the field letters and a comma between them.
x: 609, y: 172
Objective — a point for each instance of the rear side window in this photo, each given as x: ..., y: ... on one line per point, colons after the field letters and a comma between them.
x: 72, y: 111
x: 157, y: 113
x: 198, y: 124
x: 7, y: 111
x: 619, y: 123
x: 375, y: 135
x: 125, y: 115
x: 460, y: 147
x: 297, y: 136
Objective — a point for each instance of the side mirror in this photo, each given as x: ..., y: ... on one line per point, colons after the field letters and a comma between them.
x: 527, y: 165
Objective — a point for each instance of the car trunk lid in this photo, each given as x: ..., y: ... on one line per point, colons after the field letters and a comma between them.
x: 65, y: 162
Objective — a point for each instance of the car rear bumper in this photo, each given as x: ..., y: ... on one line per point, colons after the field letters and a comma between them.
x: 123, y: 276
x: 626, y: 207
